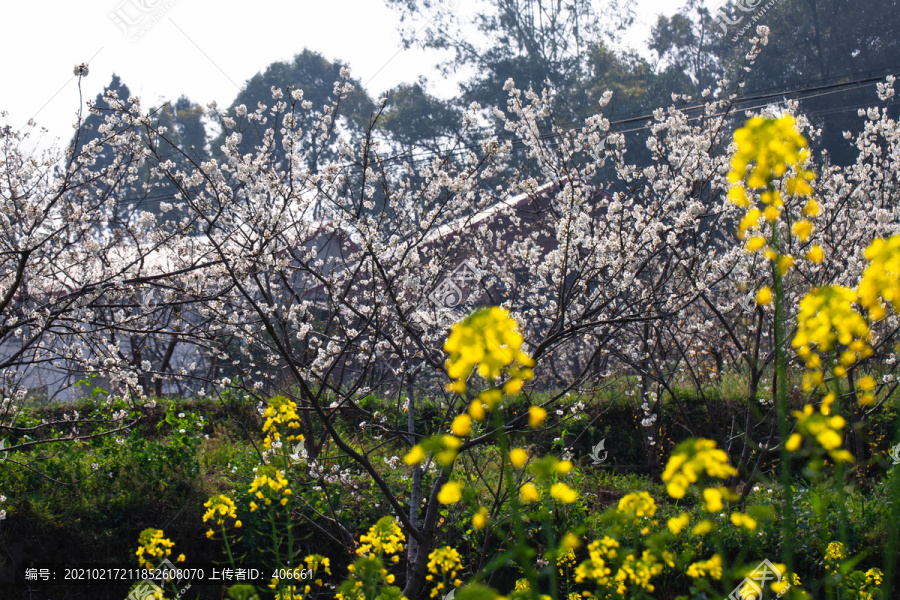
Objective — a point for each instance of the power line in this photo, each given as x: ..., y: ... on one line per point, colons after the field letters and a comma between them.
x: 804, y: 93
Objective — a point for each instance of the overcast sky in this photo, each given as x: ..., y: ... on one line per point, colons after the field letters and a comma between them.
x: 204, y: 49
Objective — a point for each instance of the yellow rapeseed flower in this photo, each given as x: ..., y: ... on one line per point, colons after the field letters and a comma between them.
x: 270, y: 484
x: 518, y: 457
x: 768, y: 149
x: 536, y: 416
x: 218, y: 508
x: 462, y: 425
x: 451, y: 492
x: 815, y: 254
x: 416, y: 456
x: 529, y: 493
x: 706, y: 568
x: 676, y: 524
x: 563, y: 493
x: 755, y: 243
x: 712, y: 500
x: 742, y: 520
x: 827, y: 318
x: 702, y: 528
x: 281, y: 412
x: 637, y: 504
x: 384, y: 537
x: 154, y: 547
x: 880, y: 281
x: 479, y: 519
x: 826, y: 429
x: 487, y: 340
x: 802, y: 229
x: 692, y: 458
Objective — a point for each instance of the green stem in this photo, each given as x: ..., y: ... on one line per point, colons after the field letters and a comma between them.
x: 782, y: 410
x: 893, y: 532
x: 275, y: 543
x: 521, y: 551
x: 841, y: 492
x: 227, y: 545
x: 554, y: 555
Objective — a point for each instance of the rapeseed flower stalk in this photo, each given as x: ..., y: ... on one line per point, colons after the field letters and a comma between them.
x: 767, y: 150
x: 314, y: 561
x: 566, y: 560
x: 597, y: 566
x: 488, y: 340
x: 833, y: 335
x: 826, y: 430
x: 152, y: 553
x: 829, y: 325
x: 834, y: 554
x: 711, y: 567
x: 691, y: 459
x: 281, y: 411
x: 368, y: 578
x: 880, y: 281
x: 219, y: 507
x: 863, y: 585
x: 154, y: 547
x: 384, y: 537
x: 268, y: 485
x: 443, y: 562
x: 611, y: 568
x: 636, y: 506
x: 638, y: 572
x: 767, y: 170
x: 858, y: 585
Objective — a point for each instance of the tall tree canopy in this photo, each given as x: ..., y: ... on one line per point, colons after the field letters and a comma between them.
x: 313, y: 74
x: 533, y: 42
x: 824, y: 45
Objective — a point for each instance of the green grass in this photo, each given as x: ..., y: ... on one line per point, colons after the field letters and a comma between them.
x: 91, y: 500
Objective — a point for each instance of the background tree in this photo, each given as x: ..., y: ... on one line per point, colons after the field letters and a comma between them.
x: 530, y: 41
x: 415, y: 119
x: 313, y: 75
x: 817, y: 45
